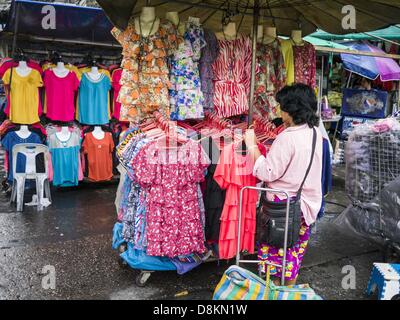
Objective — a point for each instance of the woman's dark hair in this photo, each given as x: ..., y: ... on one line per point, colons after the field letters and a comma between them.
x: 300, y: 102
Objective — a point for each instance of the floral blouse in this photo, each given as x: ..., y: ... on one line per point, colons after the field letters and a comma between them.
x: 305, y: 64
x: 173, y: 221
x: 145, y: 78
x: 186, y: 95
x: 270, y: 78
x: 209, y: 54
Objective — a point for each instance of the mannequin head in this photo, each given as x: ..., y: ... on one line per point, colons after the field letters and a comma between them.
x: 230, y: 29
x: 173, y: 16
x: 270, y: 32
x: 148, y: 14
x: 297, y: 36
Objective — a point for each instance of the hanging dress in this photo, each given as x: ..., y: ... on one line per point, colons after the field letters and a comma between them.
x: 186, y: 96
x: 270, y: 78
x: 232, y: 73
x: 234, y: 172
x: 145, y: 78
x: 305, y: 64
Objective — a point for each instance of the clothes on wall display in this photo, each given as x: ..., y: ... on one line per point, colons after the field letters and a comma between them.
x: 209, y: 54
x: 24, y: 104
x: 232, y: 72
x: 270, y: 78
x: 60, y: 95
x: 145, y: 78
x: 234, y: 172
x: 186, y: 96
x: 173, y: 214
x: 99, y: 154
x: 94, y: 100
x: 66, y: 160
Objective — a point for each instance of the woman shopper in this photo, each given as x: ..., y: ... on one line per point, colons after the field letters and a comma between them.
x: 285, y: 166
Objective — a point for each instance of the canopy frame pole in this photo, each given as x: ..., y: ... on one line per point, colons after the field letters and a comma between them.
x: 253, y: 60
x: 14, y: 43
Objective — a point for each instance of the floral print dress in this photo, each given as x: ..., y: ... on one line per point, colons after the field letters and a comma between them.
x: 145, y: 77
x: 305, y: 64
x: 186, y: 96
x: 170, y: 178
x: 270, y: 78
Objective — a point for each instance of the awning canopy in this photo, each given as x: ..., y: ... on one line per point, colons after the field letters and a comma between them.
x: 391, y: 33
x: 285, y: 15
x: 73, y: 22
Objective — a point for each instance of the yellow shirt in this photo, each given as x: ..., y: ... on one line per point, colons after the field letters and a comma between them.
x: 287, y: 51
x: 24, y: 96
x: 88, y: 69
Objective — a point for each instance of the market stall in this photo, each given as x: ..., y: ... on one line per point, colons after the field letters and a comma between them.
x: 240, y: 80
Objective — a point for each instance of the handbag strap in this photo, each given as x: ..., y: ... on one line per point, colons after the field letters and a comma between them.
x: 314, y: 144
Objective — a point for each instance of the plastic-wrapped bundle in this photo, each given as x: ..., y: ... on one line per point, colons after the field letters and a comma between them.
x: 378, y: 219
x: 372, y: 159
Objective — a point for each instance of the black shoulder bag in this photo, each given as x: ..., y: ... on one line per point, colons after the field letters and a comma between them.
x: 271, y: 217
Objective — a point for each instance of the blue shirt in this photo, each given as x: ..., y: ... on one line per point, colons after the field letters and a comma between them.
x: 9, y: 141
x: 94, y: 100
x: 65, y: 160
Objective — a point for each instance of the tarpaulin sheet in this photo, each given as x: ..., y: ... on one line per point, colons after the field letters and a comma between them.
x: 71, y: 22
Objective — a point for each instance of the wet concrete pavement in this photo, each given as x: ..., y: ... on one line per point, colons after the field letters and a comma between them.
x: 74, y: 236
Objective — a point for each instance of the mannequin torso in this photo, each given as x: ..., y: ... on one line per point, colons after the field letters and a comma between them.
x: 23, y: 132
x: 60, y: 70
x: 270, y: 35
x: 175, y: 19
x: 64, y: 134
x: 229, y: 32
x: 148, y: 23
x: 260, y: 33
x: 98, y: 133
x: 194, y: 20
x: 23, y: 70
x: 297, y: 38
x: 94, y: 73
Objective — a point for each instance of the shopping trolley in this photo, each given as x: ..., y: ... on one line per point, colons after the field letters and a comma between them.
x: 238, y: 257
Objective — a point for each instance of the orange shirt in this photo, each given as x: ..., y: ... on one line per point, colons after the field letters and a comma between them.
x: 99, y: 154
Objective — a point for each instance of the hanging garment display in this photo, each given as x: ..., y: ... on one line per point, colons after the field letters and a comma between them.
x: 270, y: 78
x: 8, y: 142
x: 145, y: 78
x: 234, y: 172
x: 60, y: 95
x: 133, y: 202
x: 287, y: 52
x: 24, y: 105
x: 94, y: 100
x: 66, y: 160
x: 173, y: 219
x: 186, y: 96
x: 209, y: 54
x: 305, y: 64
x: 99, y: 155
x: 232, y: 71
x: 8, y: 63
x: 116, y: 78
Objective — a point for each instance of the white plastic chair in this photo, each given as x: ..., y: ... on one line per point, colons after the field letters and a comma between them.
x: 31, y: 151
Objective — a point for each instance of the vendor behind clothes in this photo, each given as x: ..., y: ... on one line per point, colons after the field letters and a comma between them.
x: 285, y: 166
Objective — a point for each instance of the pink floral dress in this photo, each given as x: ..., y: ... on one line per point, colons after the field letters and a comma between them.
x: 170, y: 178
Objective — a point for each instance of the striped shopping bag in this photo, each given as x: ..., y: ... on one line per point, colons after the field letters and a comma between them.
x: 240, y: 284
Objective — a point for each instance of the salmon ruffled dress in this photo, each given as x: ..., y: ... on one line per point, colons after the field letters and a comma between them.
x: 233, y: 172
x: 145, y: 78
